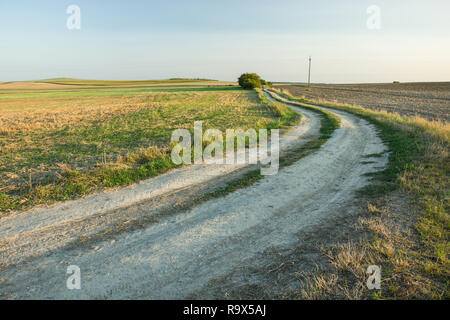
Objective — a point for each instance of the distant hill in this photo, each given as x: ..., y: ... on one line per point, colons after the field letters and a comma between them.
x: 73, y: 81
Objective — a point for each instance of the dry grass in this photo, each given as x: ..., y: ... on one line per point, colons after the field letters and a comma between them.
x: 407, y: 235
x: 393, y: 245
x: 383, y: 235
x: 29, y: 85
x: 50, y: 143
x: 24, y: 115
x: 316, y: 286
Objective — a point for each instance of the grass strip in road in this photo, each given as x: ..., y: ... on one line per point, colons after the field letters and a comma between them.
x: 329, y: 123
x: 285, y: 115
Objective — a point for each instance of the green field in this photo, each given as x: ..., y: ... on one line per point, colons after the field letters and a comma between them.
x: 58, y: 144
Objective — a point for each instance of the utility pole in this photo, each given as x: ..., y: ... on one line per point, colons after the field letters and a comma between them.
x: 309, y: 72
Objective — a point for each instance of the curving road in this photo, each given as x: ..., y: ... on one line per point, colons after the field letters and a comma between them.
x: 171, y: 253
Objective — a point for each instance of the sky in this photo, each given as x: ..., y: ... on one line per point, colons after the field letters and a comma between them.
x: 220, y: 39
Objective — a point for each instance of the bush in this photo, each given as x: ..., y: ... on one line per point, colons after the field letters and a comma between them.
x: 249, y: 81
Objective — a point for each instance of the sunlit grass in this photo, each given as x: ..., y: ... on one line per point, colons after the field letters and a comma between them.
x: 61, y: 148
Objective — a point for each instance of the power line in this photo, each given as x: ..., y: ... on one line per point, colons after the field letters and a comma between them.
x: 309, y: 72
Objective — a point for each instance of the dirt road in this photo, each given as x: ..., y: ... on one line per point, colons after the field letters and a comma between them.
x: 158, y: 249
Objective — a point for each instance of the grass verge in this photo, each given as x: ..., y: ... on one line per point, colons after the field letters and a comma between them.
x: 414, y: 262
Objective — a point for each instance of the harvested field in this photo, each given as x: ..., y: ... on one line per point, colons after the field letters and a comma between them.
x: 428, y: 100
x: 61, y: 145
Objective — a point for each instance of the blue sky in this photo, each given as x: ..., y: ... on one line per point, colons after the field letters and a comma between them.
x: 220, y: 39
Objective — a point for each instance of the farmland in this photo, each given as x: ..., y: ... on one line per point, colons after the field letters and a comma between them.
x: 65, y: 138
x: 383, y: 176
x: 427, y: 100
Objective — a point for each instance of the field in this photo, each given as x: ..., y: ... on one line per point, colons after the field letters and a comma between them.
x: 65, y: 139
x: 361, y: 187
x: 428, y: 100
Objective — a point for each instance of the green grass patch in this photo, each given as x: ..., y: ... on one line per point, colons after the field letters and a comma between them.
x: 109, y: 92
x: 111, y: 146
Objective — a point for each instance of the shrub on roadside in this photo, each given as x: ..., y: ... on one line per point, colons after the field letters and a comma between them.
x: 249, y: 81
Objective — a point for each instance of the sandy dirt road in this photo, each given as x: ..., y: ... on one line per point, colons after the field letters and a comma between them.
x: 141, y: 243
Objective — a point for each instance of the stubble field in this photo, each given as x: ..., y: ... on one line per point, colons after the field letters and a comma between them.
x: 66, y: 139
